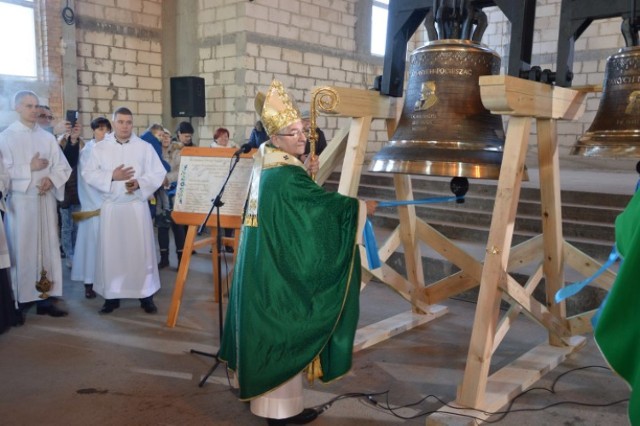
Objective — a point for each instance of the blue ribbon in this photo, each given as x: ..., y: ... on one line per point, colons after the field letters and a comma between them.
x: 575, y: 288
x: 371, y: 246
x: 431, y: 200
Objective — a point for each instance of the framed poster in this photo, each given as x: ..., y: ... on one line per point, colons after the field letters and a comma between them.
x: 202, y: 173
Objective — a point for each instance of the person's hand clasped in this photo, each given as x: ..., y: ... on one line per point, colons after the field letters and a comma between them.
x: 131, y: 185
x: 122, y: 173
x: 38, y: 163
x: 45, y: 185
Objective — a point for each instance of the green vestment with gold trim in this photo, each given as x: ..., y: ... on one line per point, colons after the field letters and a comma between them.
x: 617, y: 332
x: 296, y: 284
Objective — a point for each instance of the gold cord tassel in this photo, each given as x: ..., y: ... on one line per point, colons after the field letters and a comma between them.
x: 314, y: 370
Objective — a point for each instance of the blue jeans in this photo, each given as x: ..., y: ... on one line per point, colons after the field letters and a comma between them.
x: 68, y: 229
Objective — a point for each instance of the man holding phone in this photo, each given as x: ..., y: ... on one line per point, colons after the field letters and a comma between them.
x: 71, y: 144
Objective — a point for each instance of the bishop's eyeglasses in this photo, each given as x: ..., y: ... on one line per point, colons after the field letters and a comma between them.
x: 295, y: 133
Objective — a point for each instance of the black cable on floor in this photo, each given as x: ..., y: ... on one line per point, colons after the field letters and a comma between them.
x: 386, y: 407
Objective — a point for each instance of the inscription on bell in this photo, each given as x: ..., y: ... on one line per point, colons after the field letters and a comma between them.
x: 627, y: 79
x: 465, y: 72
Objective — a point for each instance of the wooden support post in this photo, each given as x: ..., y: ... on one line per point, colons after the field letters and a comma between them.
x: 549, y: 166
x: 471, y: 393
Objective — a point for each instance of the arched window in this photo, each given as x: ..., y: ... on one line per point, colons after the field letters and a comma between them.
x: 18, y: 38
x: 379, y: 14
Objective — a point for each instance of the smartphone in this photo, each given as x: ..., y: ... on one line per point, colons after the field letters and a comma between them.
x: 72, y: 116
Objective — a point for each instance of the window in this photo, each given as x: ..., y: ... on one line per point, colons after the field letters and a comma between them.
x: 379, y: 14
x: 18, y: 38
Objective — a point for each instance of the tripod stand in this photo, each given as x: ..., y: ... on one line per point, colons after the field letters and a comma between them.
x: 217, y: 203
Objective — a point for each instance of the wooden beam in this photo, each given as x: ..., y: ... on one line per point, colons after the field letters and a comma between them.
x: 504, y: 94
x: 354, y: 156
x: 362, y: 103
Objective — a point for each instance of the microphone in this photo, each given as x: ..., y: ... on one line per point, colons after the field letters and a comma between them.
x: 243, y: 149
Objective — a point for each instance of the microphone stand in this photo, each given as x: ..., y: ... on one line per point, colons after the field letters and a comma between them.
x: 217, y: 203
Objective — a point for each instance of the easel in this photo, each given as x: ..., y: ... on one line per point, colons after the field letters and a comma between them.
x: 193, y: 221
x: 191, y: 244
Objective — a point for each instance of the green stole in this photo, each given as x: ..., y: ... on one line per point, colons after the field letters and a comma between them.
x: 617, y: 332
x: 296, y: 284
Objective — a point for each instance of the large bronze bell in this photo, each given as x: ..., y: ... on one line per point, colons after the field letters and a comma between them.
x: 615, y: 129
x: 444, y: 129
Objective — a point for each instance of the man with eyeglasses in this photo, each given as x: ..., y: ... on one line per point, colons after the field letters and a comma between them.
x: 37, y: 171
x: 45, y: 118
x: 293, y: 305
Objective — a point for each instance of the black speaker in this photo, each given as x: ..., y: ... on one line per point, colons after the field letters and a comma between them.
x: 187, y: 97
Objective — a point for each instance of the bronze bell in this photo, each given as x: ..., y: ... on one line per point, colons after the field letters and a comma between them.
x: 444, y: 129
x: 615, y: 131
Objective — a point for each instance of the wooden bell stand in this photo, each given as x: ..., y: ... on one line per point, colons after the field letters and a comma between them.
x: 523, y: 101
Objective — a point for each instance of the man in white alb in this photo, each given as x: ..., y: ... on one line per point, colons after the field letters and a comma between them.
x: 126, y: 170
x: 37, y: 171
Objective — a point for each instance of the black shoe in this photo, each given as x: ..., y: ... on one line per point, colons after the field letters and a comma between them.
x: 24, y: 307
x: 148, y: 306
x: 163, y: 263
x: 52, y: 311
x: 19, y: 317
x: 88, y: 291
x: 109, y: 306
x: 306, y: 416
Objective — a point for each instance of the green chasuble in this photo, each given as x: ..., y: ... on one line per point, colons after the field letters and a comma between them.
x: 296, y: 284
x: 617, y: 332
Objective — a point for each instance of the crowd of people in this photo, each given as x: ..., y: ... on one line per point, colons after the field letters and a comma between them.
x: 103, y: 197
x: 110, y: 191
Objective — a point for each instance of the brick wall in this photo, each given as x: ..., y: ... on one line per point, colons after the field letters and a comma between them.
x: 119, y: 59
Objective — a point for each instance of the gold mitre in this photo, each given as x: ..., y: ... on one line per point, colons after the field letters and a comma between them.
x: 278, y: 109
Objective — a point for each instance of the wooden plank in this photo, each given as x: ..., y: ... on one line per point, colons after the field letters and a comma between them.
x: 495, y: 264
x: 400, y: 284
x: 447, y: 249
x: 408, y: 236
x: 588, y: 266
x: 534, y: 309
x: 362, y: 103
x: 354, y: 156
x: 549, y: 168
x: 504, y: 94
x: 508, y: 382
x: 375, y: 333
x: 514, y: 310
x: 333, y: 155
x: 581, y: 323
x: 449, y: 286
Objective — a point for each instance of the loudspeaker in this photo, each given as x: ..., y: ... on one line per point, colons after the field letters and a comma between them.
x: 187, y: 97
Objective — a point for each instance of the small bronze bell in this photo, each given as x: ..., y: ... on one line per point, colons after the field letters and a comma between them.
x: 43, y: 285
